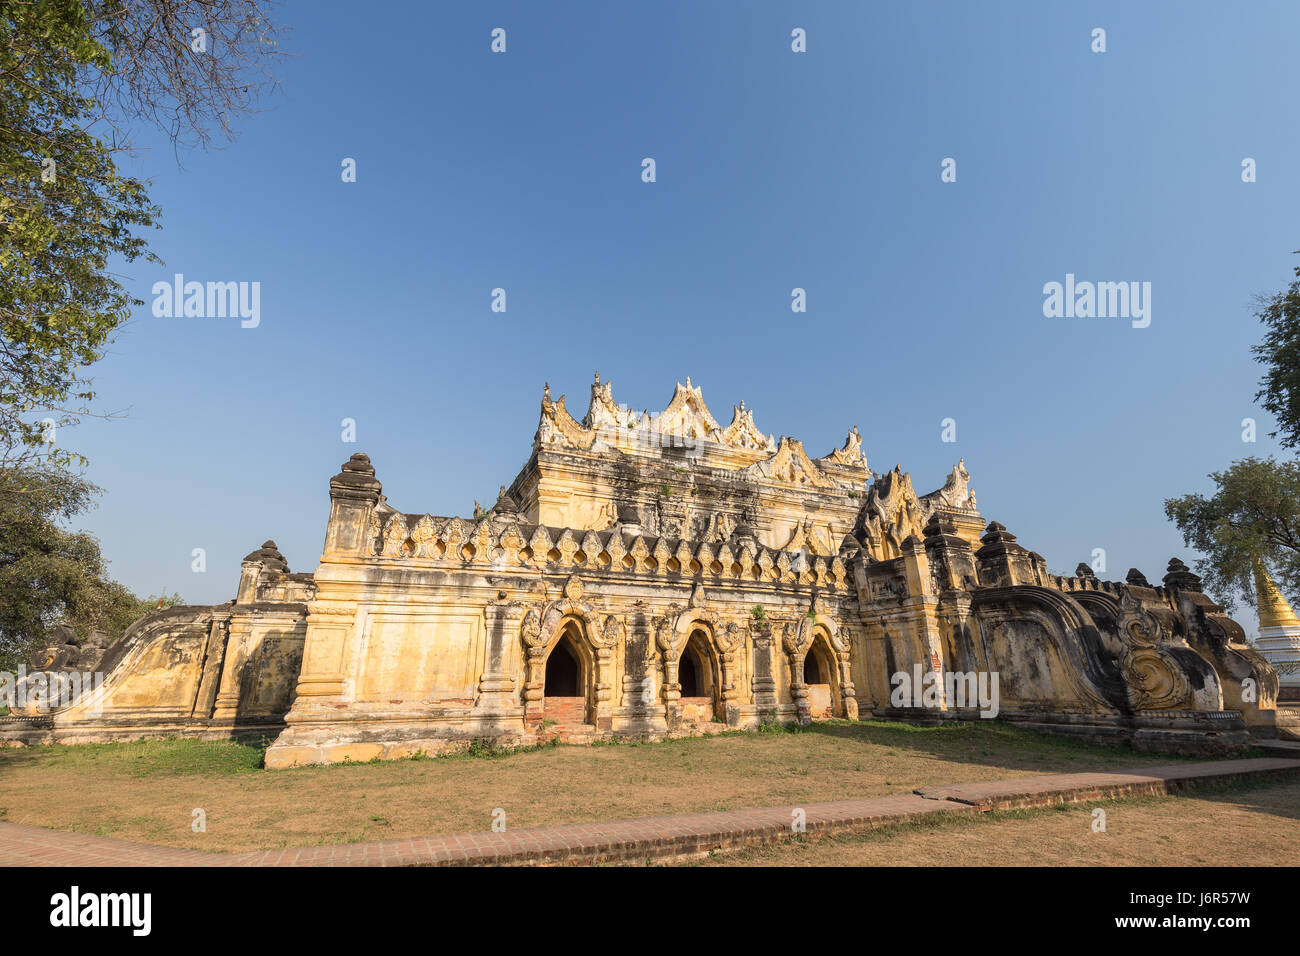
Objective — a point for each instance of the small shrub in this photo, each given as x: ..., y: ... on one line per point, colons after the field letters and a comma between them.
x: 771, y: 725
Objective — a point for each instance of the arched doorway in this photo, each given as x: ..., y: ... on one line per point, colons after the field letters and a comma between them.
x: 821, y: 678
x: 564, y: 688
x: 697, y: 678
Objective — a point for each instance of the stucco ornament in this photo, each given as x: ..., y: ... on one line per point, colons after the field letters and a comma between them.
x: 1154, y: 678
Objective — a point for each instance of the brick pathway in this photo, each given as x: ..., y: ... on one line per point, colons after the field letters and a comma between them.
x: 37, y: 846
x: 649, y: 838
x: 1072, y: 787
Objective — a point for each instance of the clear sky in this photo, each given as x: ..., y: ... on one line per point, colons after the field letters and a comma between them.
x: 775, y: 170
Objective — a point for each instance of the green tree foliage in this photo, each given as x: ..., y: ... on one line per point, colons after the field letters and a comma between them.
x: 66, y: 213
x: 1254, y: 514
x: 73, y: 75
x: 1279, y: 393
x: 50, y: 575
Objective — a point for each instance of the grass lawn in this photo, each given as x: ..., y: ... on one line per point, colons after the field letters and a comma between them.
x: 147, y: 790
x: 1242, y: 826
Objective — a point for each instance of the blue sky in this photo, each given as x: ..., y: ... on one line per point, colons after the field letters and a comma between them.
x: 775, y: 170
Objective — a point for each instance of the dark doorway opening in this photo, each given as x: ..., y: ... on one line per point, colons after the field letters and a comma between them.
x: 563, y: 672
x: 688, y: 673
x: 812, y: 673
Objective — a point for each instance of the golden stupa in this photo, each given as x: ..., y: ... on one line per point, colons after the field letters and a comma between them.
x: 1274, y: 611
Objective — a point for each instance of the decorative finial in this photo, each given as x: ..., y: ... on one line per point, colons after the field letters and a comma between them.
x: 742, y: 404
x: 688, y: 381
x: 546, y: 392
x: 597, y: 378
x: 1181, y: 577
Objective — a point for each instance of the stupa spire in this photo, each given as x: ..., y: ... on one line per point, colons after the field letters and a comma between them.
x: 1274, y: 611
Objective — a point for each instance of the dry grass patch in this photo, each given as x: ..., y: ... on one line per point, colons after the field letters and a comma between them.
x: 148, y: 790
x: 1239, y: 826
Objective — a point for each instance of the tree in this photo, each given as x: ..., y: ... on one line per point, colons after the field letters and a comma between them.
x: 1254, y: 515
x: 67, y: 212
x: 1280, y: 353
x: 187, y: 67
x: 48, y: 574
x: 74, y: 74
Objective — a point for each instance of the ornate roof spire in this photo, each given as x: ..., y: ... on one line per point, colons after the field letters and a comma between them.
x: 1274, y: 611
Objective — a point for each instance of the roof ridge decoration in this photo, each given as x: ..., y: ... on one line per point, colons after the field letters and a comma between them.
x: 687, y: 415
x: 557, y: 426
x: 685, y: 422
x: 851, y: 454
x: 956, y: 491
x: 743, y: 433
x: 892, y: 512
x: 791, y: 464
x: 688, y: 424
x: 602, y: 411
